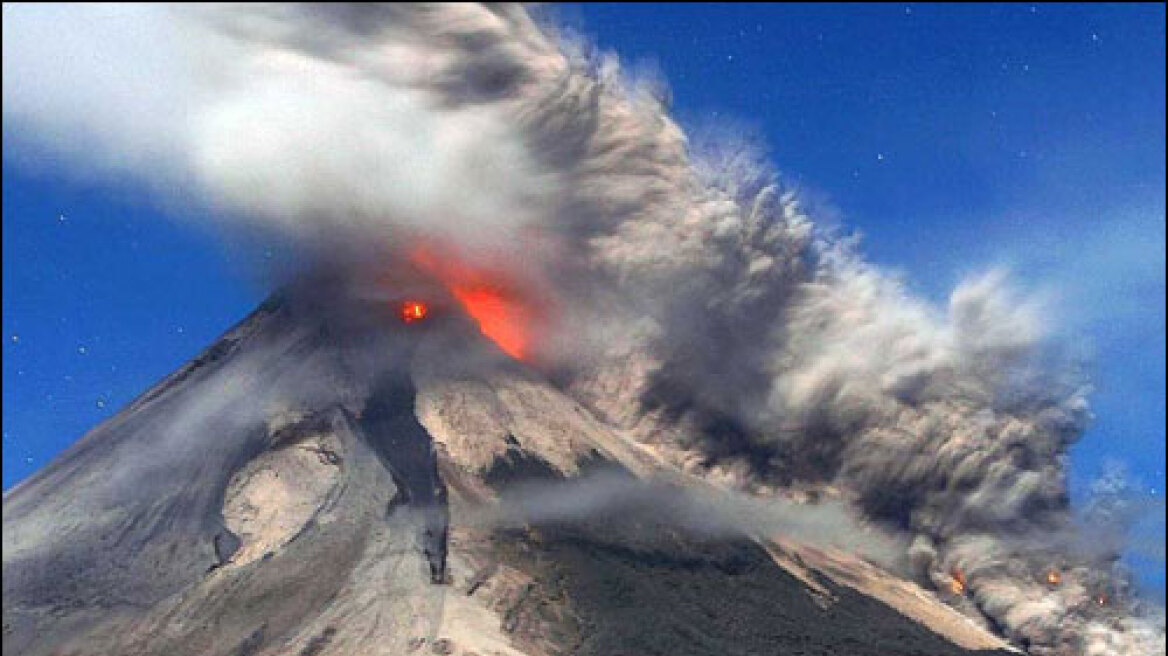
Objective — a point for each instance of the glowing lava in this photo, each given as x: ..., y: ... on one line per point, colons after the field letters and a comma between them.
x: 412, y: 311
x: 957, y: 585
x: 489, y: 296
x: 498, y: 317
x: 1054, y: 577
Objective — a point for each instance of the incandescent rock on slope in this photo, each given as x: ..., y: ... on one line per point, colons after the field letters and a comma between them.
x: 312, y: 485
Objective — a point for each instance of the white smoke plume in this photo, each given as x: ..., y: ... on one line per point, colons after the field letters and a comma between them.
x: 699, y: 306
x: 705, y: 511
x: 314, y: 121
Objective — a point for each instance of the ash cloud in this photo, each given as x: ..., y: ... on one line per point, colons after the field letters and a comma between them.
x: 704, y: 511
x: 700, y: 308
x: 309, y: 121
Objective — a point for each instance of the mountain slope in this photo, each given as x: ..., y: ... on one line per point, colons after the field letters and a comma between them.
x: 314, y: 482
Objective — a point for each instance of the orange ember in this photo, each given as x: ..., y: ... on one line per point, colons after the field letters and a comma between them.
x: 957, y: 585
x: 412, y: 311
x: 1054, y: 577
x: 489, y: 296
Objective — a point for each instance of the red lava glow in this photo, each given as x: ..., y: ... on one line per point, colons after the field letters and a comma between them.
x: 498, y: 317
x: 412, y: 311
x: 489, y: 296
x: 957, y: 585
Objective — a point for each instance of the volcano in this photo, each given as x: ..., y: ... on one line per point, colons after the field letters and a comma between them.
x: 308, y: 485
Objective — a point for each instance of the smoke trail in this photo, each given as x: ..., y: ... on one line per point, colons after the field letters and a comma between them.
x: 711, y: 512
x: 700, y: 308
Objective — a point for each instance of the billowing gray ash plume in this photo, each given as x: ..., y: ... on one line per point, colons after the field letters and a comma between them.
x: 692, y: 300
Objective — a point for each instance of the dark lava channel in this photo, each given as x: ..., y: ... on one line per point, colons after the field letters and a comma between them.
x: 406, y: 449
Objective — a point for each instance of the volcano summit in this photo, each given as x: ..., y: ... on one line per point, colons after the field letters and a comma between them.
x: 318, y: 482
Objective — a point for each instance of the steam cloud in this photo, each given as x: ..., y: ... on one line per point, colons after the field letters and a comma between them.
x: 700, y: 307
x: 711, y: 512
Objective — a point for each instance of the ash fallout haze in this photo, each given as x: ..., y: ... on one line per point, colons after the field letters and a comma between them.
x: 833, y: 327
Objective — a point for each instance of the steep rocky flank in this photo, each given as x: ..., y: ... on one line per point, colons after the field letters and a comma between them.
x: 312, y: 484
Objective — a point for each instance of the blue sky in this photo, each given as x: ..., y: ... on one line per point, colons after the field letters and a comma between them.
x: 952, y: 137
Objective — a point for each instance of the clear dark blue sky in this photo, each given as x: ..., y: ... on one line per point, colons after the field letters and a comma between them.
x: 953, y: 137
